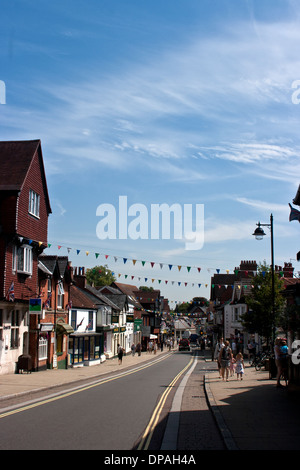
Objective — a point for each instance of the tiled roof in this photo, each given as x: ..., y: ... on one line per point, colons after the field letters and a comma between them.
x: 80, y: 299
x: 53, y: 261
x: 15, y: 161
x: 100, y: 298
x: 129, y: 290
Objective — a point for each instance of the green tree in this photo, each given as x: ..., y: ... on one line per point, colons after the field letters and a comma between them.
x: 183, y: 308
x: 260, y: 317
x: 99, y: 276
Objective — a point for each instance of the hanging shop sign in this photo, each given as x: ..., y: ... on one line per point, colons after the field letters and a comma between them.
x: 35, y: 306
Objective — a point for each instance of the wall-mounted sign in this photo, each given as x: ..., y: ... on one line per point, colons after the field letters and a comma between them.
x: 35, y: 306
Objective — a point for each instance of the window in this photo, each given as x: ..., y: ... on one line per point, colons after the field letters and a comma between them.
x: 14, y: 258
x: 236, y: 314
x: 25, y: 259
x: 90, y: 323
x: 74, y: 319
x: 60, y: 295
x: 34, y: 203
x: 43, y: 347
x: 14, y: 336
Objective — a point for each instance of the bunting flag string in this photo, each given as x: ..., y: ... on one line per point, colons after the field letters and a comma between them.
x: 143, y: 262
x: 152, y: 280
x: 135, y: 261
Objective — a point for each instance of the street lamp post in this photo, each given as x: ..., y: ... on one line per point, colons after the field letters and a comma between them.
x: 259, y: 234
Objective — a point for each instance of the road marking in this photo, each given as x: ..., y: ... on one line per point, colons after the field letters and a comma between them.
x: 148, y: 433
x: 79, y: 389
x: 170, y: 436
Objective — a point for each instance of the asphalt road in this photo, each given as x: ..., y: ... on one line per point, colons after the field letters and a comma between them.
x: 113, y: 414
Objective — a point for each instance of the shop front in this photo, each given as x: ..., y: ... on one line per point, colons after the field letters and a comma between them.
x: 86, y: 349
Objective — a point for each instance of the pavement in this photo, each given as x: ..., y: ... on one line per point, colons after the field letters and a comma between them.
x: 250, y: 414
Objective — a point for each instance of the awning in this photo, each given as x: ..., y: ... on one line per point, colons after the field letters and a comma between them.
x: 64, y: 328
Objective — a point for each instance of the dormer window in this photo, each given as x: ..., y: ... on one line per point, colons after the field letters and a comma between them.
x: 34, y: 203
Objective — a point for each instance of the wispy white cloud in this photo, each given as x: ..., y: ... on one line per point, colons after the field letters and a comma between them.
x: 264, y: 205
x: 181, y: 104
x: 227, y: 231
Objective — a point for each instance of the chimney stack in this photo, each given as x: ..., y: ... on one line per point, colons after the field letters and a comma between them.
x: 80, y: 277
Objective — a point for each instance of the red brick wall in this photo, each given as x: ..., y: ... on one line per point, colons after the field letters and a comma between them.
x: 15, y: 219
x: 27, y: 225
x: 25, y: 286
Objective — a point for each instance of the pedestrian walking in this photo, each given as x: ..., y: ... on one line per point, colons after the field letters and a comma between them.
x: 133, y: 349
x: 155, y: 347
x: 233, y: 347
x: 120, y: 354
x: 224, y: 358
x: 138, y: 349
x: 219, y: 346
x: 280, y: 361
x: 239, y: 366
x: 284, y: 356
x: 162, y: 346
x: 232, y: 365
x: 252, y: 349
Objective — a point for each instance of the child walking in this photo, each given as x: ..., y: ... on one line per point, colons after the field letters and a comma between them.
x: 232, y: 366
x: 239, y: 366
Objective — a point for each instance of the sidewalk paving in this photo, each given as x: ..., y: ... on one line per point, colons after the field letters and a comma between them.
x: 252, y: 413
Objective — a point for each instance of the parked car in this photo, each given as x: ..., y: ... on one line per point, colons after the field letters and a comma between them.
x: 184, y: 345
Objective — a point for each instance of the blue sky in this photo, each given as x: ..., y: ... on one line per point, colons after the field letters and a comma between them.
x: 176, y: 102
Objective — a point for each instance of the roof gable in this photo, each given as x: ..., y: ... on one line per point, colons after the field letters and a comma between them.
x: 16, y: 158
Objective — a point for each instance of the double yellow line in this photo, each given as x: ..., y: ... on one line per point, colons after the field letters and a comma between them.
x: 80, y: 389
x: 148, y: 433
